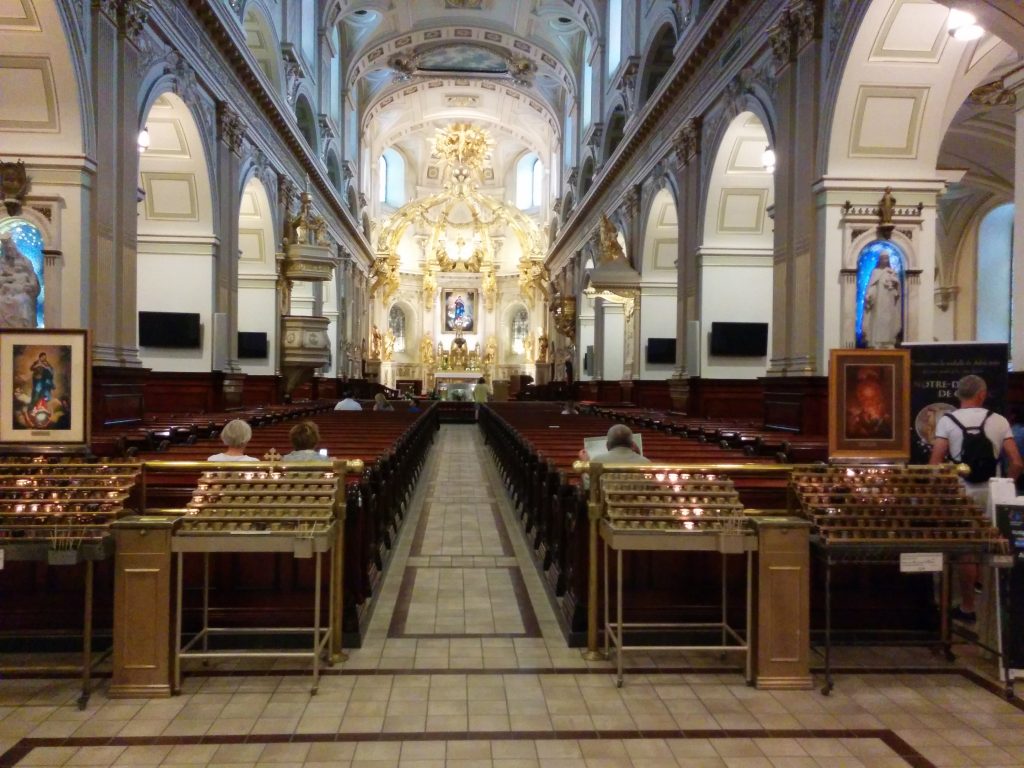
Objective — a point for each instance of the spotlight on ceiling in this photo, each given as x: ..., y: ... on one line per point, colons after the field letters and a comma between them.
x: 768, y: 160
x: 144, y: 140
x: 964, y: 26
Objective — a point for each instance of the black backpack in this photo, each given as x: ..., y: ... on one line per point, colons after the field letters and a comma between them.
x: 976, y: 451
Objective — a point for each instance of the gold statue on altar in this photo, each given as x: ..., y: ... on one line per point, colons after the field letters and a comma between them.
x: 427, y: 350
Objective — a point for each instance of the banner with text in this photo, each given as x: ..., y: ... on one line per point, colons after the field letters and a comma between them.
x: 935, y: 370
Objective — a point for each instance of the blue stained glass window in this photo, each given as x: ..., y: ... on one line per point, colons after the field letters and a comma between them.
x: 866, y: 263
x: 29, y: 241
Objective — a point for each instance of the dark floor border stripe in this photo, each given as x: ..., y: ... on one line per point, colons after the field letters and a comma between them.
x: 403, y: 600
x: 499, y: 524
x: 24, y: 747
x: 400, y: 617
x: 416, y: 550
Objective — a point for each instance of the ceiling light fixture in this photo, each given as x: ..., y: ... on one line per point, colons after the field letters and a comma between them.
x: 144, y: 140
x: 768, y: 160
x: 964, y: 26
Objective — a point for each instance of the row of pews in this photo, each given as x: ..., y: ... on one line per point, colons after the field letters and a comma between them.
x: 534, y: 446
x: 749, y: 436
x: 160, y: 431
x: 252, y: 590
x: 393, y: 446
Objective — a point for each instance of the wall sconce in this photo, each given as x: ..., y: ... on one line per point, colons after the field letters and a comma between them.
x: 768, y: 160
x: 963, y: 26
x: 144, y: 140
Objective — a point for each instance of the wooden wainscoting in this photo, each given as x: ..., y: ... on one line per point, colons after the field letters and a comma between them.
x: 118, y: 396
x: 797, y: 404
x: 726, y: 398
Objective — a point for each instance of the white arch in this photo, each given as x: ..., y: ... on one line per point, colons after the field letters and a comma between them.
x: 176, y: 240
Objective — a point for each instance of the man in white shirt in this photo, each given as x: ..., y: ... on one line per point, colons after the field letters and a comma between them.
x: 348, y: 403
x: 949, y: 441
x: 621, y: 449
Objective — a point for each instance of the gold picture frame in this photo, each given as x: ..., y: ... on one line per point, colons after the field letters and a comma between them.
x: 45, y: 375
x: 869, y: 404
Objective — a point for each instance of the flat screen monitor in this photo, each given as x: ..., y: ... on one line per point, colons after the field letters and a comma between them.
x: 661, y: 351
x: 252, y: 345
x: 178, y: 330
x: 739, y: 339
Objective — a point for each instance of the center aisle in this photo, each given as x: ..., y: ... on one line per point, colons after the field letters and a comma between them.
x: 461, y: 593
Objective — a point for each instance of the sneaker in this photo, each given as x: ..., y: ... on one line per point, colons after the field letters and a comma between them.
x: 958, y: 614
x: 979, y: 588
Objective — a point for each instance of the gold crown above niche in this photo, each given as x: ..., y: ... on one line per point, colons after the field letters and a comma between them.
x: 461, y: 228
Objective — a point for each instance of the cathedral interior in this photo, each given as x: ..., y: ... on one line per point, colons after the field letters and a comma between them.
x: 684, y: 206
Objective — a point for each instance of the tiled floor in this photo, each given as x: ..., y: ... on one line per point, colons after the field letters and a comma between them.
x: 464, y: 666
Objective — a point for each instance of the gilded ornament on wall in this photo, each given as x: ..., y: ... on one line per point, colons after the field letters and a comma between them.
x: 611, y: 249
x: 489, y: 288
x: 385, y: 277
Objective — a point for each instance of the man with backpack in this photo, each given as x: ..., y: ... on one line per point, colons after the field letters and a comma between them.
x: 975, y: 436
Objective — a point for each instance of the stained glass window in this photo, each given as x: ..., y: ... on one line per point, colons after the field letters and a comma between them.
x: 520, y: 330
x: 29, y: 241
x: 396, y: 322
x: 867, y: 263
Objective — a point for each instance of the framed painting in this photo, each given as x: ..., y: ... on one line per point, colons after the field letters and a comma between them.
x: 45, y: 378
x: 869, y: 404
x: 459, y: 311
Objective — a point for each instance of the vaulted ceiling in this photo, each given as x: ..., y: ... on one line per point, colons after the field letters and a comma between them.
x: 511, y: 65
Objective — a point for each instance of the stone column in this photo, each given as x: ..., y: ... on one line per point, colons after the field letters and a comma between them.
x: 687, y: 150
x: 225, y: 294
x: 112, y: 285
x: 1015, y: 83
x: 797, y: 301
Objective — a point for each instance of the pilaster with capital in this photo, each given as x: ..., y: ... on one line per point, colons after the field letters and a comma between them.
x: 797, y: 335
x: 688, y: 152
x: 110, y: 310
x: 1014, y: 84
x: 230, y: 135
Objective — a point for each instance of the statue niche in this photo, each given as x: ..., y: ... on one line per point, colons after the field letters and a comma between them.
x: 19, y: 288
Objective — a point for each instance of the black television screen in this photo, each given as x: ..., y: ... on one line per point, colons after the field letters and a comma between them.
x: 661, y: 351
x: 739, y: 339
x: 252, y: 344
x: 179, y: 330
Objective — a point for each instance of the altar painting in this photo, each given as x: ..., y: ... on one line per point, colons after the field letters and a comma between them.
x: 459, y: 311
x: 45, y: 373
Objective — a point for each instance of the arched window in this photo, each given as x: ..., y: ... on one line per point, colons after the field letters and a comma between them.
x: 614, y: 34
x: 335, y: 79
x: 588, y: 87
x: 880, y: 294
x: 396, y: 322
x: 529, y: 181
x: 568, y: 141
x: 391, y: 168
x: 520, y: 330
x: 309, y: 31
x: 306, y: 122
x: 995, y: 274
x: 27, y: 242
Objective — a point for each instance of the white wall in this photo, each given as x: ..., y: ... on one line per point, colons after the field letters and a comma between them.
x: 734, y: 289
x: 257, y: 311
x: 657, y: 319
x: 179, y: 264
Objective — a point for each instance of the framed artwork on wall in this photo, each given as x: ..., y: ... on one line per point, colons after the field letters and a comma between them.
x: 459, y: 311
x: 869, y: 404
x: 45, y: 378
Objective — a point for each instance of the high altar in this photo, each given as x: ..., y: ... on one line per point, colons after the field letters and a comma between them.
x: 459, y: 286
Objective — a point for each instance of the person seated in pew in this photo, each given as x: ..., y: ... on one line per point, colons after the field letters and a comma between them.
x: 235, y: 435
x: 569, y: 409
x: 380, y: 403
x: 304, y: 436
x: 348, y: 403
x: 620, y: 448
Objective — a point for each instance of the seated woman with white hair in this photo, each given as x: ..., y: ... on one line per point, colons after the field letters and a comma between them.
x: 235, y: 435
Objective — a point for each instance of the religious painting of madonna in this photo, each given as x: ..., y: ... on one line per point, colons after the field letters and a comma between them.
x: 459, y: 311
x: 869, y: 404
x: 45, y: 377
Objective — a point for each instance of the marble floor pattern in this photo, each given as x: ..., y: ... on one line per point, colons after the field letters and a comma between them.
x: 464, y: 665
